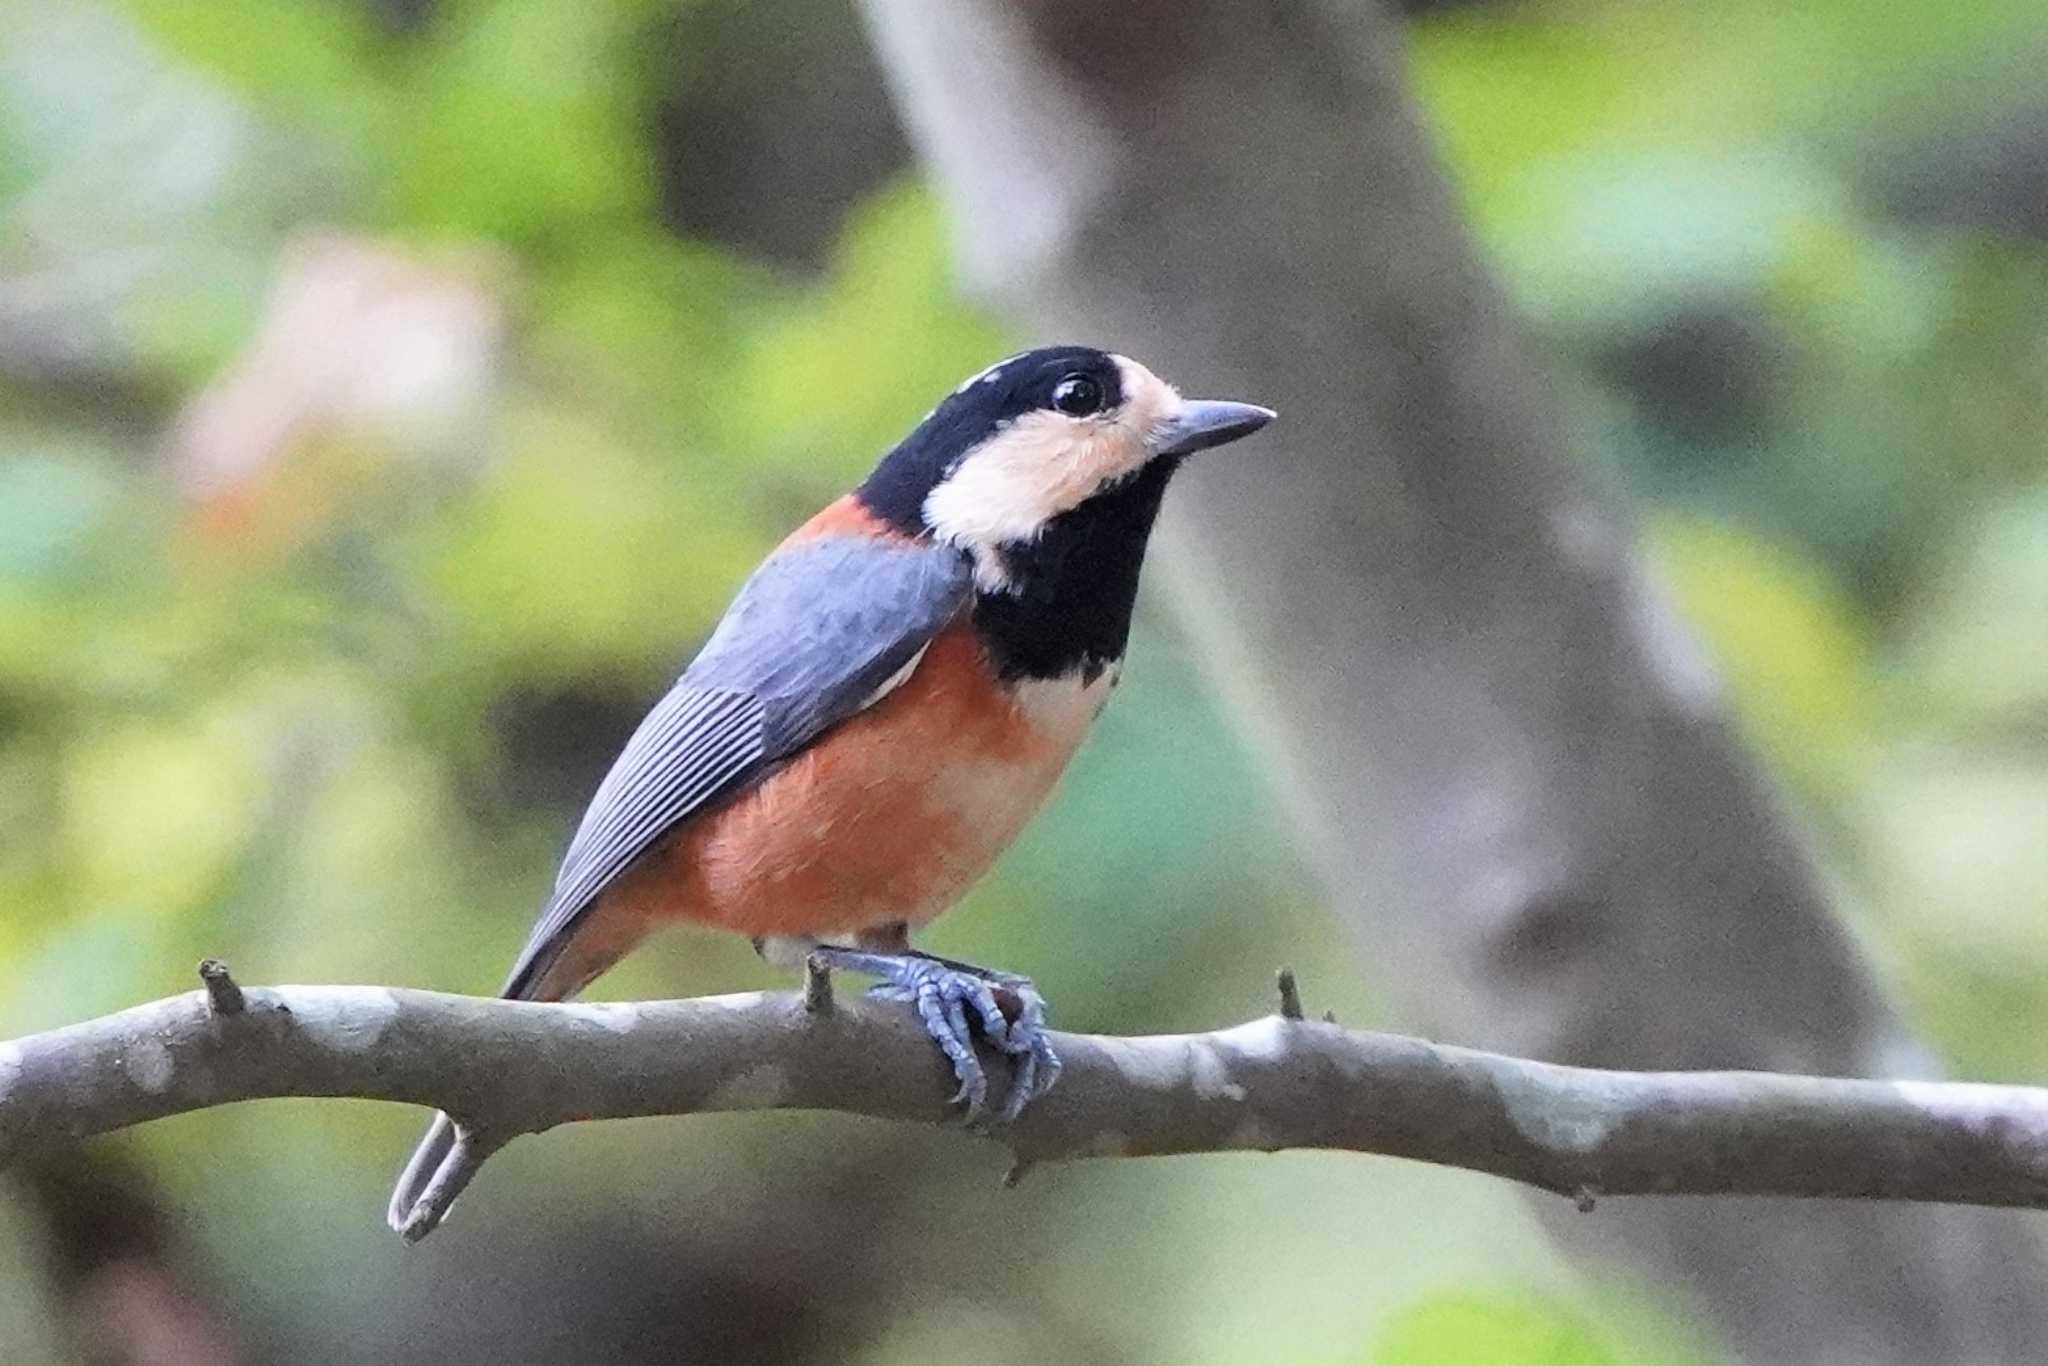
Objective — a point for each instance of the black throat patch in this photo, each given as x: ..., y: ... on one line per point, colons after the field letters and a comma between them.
x: 1068, y: 608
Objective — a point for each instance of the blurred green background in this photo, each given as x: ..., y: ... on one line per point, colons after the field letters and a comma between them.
x: 393, y: 391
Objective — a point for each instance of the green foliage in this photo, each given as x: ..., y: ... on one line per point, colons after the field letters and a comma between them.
x: 1501, y: 1330
x: 333, y: 717
x: 511, y: 123
x: 1788, y: 641
x: 516, y: 126
x: 1526, y: 1328
x: 566, y: 483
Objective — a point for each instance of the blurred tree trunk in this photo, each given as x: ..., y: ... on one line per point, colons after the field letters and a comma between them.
x: 773, y: 177
x: 1511, y: 766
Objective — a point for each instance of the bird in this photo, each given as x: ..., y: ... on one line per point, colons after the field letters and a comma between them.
x: 889, y: 699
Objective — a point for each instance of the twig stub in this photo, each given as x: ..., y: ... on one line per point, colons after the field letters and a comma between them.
x: 1290, y: 995
x: 223, y: 994
x: 817, y: 985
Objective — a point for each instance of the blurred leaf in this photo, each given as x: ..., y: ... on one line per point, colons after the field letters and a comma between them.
x: 97, y: 959
x: 49, y: 510
x: 1785, y: 639
x: 1956, y: 843
x: 306, y: 60
x: 155, y: 814
x: 1975, y: 645
x: 1614, y: 236
x: 885, y: 340
x: 577, y: 555
x: 1513, y: 87
x: 1502, y: 1329
x: 652, y: 328
x: 515, y: 124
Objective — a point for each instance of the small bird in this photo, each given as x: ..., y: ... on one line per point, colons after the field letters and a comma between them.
x: 885, y: 705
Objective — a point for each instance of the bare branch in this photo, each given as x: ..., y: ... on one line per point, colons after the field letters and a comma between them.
x: 504, y: 1068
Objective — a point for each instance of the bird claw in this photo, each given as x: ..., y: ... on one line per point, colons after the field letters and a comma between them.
x: 951, y: 1002
x: 1037, y: 1065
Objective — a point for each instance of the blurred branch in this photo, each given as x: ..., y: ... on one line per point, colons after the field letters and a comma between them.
x: 508, y: 1068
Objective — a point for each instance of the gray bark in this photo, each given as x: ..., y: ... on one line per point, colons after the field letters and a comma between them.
x: 505, y: 1068
x: 1513, y: 768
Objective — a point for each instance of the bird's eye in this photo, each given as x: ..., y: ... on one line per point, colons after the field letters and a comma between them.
x: 1077, y: 396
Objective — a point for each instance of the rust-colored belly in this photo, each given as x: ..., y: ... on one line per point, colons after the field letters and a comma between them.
x: 890, y: 818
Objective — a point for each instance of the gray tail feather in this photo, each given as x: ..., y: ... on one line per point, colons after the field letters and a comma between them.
x: 427, y: 1161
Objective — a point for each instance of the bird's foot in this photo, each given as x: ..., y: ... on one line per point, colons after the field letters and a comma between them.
x: 952, y: 999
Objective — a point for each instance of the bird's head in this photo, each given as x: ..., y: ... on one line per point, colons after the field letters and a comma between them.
x: 1029, y: 443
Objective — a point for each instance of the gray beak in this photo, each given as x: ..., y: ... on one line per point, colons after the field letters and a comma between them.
x: 1202, y: 423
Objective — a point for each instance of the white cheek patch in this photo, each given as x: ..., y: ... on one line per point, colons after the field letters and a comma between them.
x: 1039, y: 466
x: 1044, y: 463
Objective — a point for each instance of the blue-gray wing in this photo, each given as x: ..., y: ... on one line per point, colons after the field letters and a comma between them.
x: 820, y: 630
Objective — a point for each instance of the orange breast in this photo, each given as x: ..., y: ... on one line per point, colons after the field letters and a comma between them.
x: 891, y: 817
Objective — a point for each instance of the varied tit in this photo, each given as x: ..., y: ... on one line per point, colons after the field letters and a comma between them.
x: 884, y: 706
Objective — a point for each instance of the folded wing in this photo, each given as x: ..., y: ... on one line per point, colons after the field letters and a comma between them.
x: 821, y: 630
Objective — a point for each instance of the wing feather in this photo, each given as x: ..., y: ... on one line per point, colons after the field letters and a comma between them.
x: 816, y: 635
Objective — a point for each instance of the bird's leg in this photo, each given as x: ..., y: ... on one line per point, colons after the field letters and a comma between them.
x: 1023, y: 1004
x: 995, y: 976
x: 943, y: 992
x: 1018, y: 997
x: 895, y: 939
x: 1038, y: 1066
